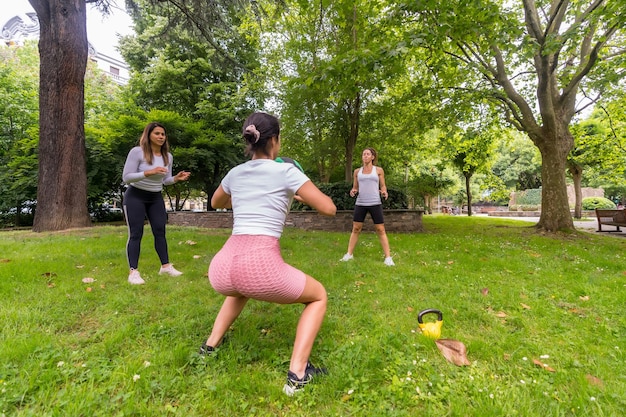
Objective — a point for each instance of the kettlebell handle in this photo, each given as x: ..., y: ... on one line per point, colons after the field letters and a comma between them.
x: 428, y: 311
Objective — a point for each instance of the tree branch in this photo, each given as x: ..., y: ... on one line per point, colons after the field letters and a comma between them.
x: 527, y: 116
x: 532, y: 20
x: 557, y: 12
x: 591, y: 61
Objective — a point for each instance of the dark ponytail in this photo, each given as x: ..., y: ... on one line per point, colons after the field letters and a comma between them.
x: 258, y: 129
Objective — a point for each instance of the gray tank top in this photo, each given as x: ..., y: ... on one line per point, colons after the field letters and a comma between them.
x: 369, y: 190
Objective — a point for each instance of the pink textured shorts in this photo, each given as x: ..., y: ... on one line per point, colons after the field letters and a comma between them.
x: 252, y: 266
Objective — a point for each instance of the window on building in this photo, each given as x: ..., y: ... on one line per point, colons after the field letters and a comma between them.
x: 114, y: 70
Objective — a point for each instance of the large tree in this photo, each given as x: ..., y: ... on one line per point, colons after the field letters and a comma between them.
x: 62, y: 181
x: 535, y: 58
x: 63, y: 46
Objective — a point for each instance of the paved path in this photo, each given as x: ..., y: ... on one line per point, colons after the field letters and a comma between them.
x: 585, y: 226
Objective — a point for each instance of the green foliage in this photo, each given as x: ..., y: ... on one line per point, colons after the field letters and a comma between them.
x: 337, y: 64
x: 511, y: 295
x: 529, y: 207
x: 517, y: 162
x: 176, y: 69
x: 592, y: 203
x: 18, y: 131
x: 429, y: 181
x: 529, y: 197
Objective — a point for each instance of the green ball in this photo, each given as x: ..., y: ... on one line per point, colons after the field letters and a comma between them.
x: 284, y: 159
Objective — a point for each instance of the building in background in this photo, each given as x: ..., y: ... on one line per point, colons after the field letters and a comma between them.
x: 21, y: 26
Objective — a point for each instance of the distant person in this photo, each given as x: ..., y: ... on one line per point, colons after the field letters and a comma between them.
x: 147, y: 169
x: 369, y: 185
x: 620, y: 206
x: 250, y: 264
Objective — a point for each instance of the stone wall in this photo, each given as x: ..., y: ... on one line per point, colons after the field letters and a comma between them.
x: 395, y: 220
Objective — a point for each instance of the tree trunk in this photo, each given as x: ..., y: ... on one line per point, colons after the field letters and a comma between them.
x: 576, y: 171
x: 428, y: 203
x: 353, y: 113
x: 469, y: 194
x: 555, y: 211
x: 62, y: 184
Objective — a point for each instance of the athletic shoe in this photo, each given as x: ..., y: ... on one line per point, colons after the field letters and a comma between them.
x: 347, y: 257
x: 389, y: 261
x: 295, y: 384
x: 206, y: 350
x: 134, y: 278
x: 170, y: 270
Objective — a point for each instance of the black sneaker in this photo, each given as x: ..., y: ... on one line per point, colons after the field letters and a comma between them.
x: 206, y: 350
x: 295, y: 384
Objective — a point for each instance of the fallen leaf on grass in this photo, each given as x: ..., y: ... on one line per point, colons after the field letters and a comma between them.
x: 409, y: 309
x: 525, y: 306
x: 594, y: 380
x: 501, y: 314
x: 190, y: 242
x: 543, y: 365
x: 584, y: 298
x: 49, y: 274
x: 359, y: 283
x: 484, y: 291
x: 453, y: 350
x: 450, y: 262
x: 5, y: 261
x: 197, y: 256
x: 87, y: 280
x: 88, y: 289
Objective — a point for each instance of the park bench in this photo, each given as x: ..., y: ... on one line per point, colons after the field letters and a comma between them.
x: 615, y: 217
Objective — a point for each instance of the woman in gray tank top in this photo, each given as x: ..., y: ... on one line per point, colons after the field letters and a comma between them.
x: 369, y: 185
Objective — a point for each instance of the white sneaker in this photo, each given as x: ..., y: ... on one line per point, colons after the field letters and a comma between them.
x: 134, y: 278
x: 389, y: 261
x: 347, y: 257
x: 170, y: 270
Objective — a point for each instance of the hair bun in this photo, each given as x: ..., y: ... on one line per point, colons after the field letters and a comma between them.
x: 252, y: 130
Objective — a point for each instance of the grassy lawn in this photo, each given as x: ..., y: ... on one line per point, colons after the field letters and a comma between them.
x: 511, y: 295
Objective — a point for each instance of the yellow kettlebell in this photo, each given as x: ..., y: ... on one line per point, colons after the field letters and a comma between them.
x: 430, y: 329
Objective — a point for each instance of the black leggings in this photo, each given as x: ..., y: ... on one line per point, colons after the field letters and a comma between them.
x: 139, y: 204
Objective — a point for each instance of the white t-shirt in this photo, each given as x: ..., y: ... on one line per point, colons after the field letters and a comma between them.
x: 261, y: 192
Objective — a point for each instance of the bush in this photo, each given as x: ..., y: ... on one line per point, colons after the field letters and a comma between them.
x: 592, y: 203
x: 528, y: 197
x: 530, y: 207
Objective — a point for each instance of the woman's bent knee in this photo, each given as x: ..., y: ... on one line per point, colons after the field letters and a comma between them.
x: 313, y: 291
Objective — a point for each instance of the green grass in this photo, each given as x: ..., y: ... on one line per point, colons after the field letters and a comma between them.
x: 122, y: 350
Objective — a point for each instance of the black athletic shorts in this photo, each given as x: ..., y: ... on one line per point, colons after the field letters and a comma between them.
x: 375, y: 211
